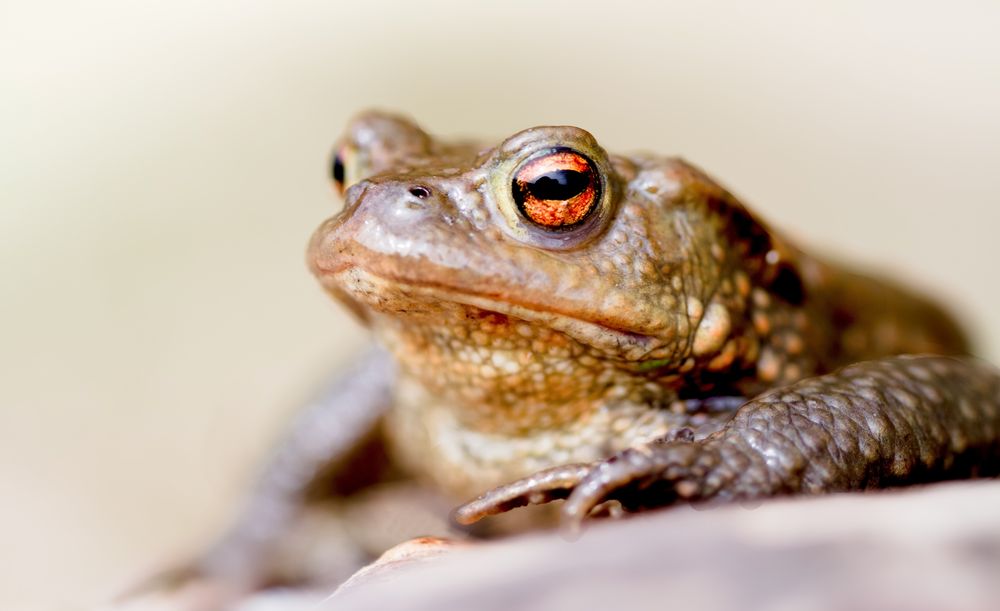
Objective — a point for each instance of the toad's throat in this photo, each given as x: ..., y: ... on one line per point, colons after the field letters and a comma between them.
x: 502, y: 375
x: 406, y: 298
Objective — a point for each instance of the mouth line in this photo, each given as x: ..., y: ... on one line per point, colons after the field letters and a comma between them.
x: 598, y: 334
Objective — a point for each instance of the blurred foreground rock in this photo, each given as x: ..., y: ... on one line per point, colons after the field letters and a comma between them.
x: 930, y: 548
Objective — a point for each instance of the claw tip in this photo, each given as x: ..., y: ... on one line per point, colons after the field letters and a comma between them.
x: 464, y: 515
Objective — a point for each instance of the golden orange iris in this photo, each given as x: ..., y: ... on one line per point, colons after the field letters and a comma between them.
x: 556, y: 190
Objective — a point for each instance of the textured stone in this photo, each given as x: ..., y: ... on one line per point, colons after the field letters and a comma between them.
x: 927, y: 548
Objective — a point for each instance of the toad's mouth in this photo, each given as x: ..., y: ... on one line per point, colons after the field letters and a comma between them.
x: 402, y: 297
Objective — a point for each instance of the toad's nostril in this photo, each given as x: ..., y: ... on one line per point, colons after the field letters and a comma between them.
x: 420, y: 192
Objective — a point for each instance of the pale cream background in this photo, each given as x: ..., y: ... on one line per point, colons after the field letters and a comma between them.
x: 164, y: 163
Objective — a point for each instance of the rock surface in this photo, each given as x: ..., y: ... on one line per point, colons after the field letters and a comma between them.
x: 929, y: 548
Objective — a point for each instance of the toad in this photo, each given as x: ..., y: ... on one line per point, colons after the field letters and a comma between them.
x: 560, y: 322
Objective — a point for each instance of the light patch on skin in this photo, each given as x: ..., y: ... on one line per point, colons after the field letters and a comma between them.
x: 742, y: 284
x: 695, y: 308
x: 713, y: 330
x: 504, y: 362
x: 761, y: 323
x: 794, y: 345
x: 768, y: 365
x: 725, y: 358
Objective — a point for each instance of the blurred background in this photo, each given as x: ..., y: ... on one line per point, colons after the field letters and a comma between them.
x: 163, y: 165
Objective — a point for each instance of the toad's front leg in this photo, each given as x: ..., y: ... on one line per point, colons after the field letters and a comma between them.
x: 881, y: 423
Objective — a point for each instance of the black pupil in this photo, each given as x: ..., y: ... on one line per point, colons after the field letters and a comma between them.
x: 338, y: 169
x: 559, y: 185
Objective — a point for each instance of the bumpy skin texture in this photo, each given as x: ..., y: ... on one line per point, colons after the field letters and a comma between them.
x: 525, y: 344
x: 894, y: 421
x: 592, y: 326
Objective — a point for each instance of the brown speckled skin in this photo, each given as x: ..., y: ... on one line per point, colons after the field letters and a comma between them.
x: 668, y: 347
x: 523, y: 348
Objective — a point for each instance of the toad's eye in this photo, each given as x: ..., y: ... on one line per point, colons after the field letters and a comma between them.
x: 557, y: 189
x: 337, y: 170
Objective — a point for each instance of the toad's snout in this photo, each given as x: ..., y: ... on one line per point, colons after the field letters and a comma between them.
x: 380, y: 217
x: 399, y: 206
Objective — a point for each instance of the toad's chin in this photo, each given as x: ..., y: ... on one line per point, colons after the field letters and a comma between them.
x: 361, y: 290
